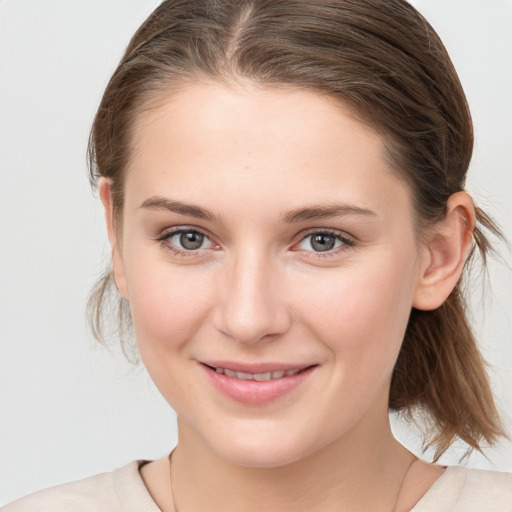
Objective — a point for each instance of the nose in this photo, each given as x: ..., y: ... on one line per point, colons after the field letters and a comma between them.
x: 251, y: 306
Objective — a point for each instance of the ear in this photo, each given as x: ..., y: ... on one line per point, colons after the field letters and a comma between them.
x: 445, y: 253
x: 105, y: 191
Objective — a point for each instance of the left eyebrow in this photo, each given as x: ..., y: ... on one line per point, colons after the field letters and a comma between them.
x: 324, y: 211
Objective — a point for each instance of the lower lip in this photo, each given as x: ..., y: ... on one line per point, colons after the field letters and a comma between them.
x: 253, y: 392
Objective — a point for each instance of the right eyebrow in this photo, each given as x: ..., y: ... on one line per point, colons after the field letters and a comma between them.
x: 163, y: 203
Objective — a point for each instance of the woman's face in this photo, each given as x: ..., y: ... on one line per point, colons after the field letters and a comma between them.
x: 264, y: 234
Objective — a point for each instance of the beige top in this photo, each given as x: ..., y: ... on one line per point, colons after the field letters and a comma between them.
x: 458, y: 490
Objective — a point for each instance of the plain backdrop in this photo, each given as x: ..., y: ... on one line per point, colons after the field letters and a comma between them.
x: 70, y: 408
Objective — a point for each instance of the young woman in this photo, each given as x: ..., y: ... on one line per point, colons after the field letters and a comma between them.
x: 283, y: 185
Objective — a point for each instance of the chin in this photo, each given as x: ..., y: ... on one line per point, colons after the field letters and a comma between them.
x: 262, y: 456
x: 261, y: 447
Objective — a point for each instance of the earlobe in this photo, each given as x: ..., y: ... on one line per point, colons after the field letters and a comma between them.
x: 105, y: 192
x: 445, y: 253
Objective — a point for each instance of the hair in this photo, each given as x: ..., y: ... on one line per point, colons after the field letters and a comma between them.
x: 386, y: 62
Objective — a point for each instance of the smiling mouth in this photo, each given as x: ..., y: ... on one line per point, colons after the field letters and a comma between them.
x: 260, y: 377
x: 256, y: 384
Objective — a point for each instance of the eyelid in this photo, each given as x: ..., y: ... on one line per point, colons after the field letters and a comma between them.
x: 165, y: 233
x: 337, y: 233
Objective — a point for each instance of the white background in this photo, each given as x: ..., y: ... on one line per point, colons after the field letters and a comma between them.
x: 68, y: 407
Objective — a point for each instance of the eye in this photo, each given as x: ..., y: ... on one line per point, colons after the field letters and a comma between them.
x: 324, y: 241
x: 186, y: 240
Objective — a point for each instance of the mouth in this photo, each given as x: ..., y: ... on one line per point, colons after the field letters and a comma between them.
x: 257, y: 376
x: 256, y: 384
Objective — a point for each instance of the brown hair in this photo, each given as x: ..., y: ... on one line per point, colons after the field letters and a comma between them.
x: 383, y: 59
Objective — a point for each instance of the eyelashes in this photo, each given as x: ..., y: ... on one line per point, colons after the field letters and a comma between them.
x: 315, y: 243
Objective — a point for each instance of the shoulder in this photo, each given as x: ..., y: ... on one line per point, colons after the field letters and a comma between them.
x: 488, y: 489
x: 121, y: 490
x: 462, y: 489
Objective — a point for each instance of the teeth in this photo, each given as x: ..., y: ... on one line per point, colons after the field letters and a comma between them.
x: 264, y: 376
x: 260, y: 377
x: 243, y: 376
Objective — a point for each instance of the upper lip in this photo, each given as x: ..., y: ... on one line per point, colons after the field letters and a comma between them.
x: 256, y: 367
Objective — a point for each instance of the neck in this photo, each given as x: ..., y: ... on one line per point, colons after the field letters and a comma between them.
x: 363, y: 471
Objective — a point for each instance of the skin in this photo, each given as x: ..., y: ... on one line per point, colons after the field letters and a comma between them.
x: 258, y: 291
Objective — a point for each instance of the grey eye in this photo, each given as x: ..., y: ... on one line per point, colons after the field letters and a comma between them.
x: 191, y: 240
x: 188, y: 240
x: 322, y: 242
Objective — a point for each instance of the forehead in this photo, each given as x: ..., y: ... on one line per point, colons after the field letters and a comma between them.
x: 207, y: 142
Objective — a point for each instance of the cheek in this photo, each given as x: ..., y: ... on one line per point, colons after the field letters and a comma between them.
x: 361, y: 313
x: 168, y: 309
x: 168, y: 303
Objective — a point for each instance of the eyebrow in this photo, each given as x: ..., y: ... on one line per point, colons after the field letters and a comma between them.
x: 324, y: 211
x: 313, y: 212
x: 162, y: 203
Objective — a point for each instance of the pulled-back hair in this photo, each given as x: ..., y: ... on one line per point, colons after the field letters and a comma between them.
x: 382, y: 58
